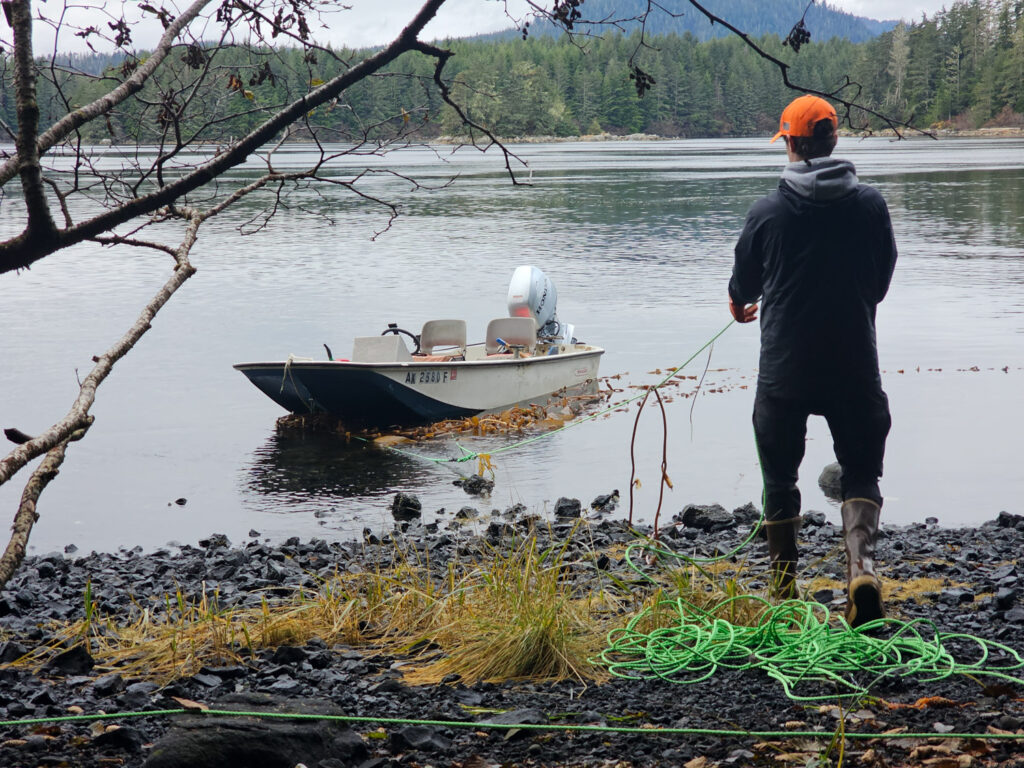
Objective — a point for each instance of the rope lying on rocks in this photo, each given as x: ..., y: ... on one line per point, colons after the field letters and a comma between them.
x: 643, y: 730
x: 795, y: 643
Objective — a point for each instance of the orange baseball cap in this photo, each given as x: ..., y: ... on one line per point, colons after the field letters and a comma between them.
x: 799, y: 117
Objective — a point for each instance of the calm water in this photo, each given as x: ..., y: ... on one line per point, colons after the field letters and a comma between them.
x: 638, y: 239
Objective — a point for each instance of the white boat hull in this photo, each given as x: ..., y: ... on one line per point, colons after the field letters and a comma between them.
x: 405, y: 393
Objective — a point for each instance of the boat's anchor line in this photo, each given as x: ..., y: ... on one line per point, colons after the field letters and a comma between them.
x: 286, y: 375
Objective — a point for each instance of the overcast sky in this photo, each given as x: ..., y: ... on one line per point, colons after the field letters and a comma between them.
x: 372, y: 22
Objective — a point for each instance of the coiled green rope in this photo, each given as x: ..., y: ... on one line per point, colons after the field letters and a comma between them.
x: 799, y: 644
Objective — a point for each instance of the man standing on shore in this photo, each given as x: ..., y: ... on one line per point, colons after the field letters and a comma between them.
x: 819, y: 253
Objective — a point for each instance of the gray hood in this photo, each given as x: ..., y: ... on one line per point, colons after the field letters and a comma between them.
x: 821, y: 178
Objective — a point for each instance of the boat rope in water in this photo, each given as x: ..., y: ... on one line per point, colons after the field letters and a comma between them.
x: 468, y: 455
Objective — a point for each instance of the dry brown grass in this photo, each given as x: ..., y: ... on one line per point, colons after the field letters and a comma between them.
x: 515, y: 612
x: 920, y: 590
x: 518, y: 610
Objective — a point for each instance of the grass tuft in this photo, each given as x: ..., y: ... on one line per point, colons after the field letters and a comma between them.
x: 516, y: 609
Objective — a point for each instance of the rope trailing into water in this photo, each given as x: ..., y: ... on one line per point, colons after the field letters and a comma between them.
x: 468, y: 455
x: 797, y: 643
x: 567, y: 727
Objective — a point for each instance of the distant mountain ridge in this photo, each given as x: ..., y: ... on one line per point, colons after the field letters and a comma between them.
x: 755, y: 17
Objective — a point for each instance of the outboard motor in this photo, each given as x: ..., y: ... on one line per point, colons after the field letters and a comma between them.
x: 532, y: 294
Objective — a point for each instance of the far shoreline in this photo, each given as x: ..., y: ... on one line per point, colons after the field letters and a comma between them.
x: 943, y: 133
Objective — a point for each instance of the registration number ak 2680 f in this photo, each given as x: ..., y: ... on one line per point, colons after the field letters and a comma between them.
x: 430, y: 377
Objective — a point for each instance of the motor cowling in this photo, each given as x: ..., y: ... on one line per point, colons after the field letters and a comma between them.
x: 532, y: 294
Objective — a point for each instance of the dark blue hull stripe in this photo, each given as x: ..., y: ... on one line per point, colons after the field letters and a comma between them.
x: 359, y: 398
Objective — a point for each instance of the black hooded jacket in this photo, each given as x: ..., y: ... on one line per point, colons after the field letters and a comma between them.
x: 819, y: 253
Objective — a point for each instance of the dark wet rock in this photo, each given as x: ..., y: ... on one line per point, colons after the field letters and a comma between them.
x: 120, y: 738
x: 207, y: 680
x: 567, y: 509
x: 956, y: 596
x: 137, y: 696
x: 830, y: 481
x: 275, y: 572
x: 706, y: 517
x: 75, y: 661
x: 606, y: 502
x: 1008, y: 723
x: 207, y: 742
x: 108, y: 685
x: 420, y: 738
x: 824, y: 596
x: 1006, y: 520
x: 527, y: 716
x: 748, y: 514
x: 1015, y: 615
x: 288, y: 654
x: 389, y: 685
x: 41, y: 698
x: 406, y: 506
x: 1005, y: 598
x: 475, y: 485
x: 516, y: 510
x: 11, y: 651
x: 215, y: 541
x: 812, y: 519
x: 467, y: 513
x: 497, y: 531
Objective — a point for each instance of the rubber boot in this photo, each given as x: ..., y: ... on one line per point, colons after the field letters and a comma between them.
x: 783, y: 556
x: 863, y: 589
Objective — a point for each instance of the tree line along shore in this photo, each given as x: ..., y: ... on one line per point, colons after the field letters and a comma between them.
x: 961, y: 70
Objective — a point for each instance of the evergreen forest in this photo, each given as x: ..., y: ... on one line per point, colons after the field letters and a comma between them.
x: 963, y: 68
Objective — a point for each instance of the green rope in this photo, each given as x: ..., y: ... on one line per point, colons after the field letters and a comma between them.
x: 641, y: 730
x: 795, y: 643
x: 468, y: 455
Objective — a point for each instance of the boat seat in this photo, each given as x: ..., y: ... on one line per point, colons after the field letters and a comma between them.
x: 443, y: 333
x: 513, y: 331
x: 380, y: 349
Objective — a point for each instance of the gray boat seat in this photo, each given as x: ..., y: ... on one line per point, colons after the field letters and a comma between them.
x: 513, y: 331
x: 443, y: 333
x: 389, y: 348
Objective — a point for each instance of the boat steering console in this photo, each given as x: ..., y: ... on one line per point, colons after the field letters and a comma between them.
x: 393, y: 328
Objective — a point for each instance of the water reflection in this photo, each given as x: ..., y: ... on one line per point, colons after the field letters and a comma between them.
x: 974, y: 207
x: 294, y: 466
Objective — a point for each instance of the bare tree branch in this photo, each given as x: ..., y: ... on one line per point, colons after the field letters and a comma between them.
x: 26, y: 516
x: 22, y: 251
x: 78, y: 416
x: 442, y: 55
x: 74, y: 120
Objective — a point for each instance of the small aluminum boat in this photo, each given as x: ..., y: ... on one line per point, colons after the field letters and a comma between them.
x: 528, y: 357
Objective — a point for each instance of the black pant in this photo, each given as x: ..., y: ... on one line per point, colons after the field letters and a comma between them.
x: 859, y: 423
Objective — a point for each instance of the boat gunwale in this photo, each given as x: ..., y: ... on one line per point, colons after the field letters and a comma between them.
x: 299, y: 364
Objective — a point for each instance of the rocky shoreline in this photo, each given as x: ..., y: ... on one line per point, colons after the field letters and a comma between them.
x: 977, y: 589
